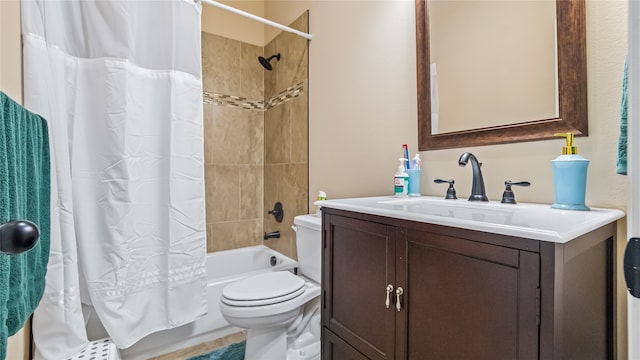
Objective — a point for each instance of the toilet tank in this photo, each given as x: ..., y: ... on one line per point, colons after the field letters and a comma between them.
x: 309, y: 245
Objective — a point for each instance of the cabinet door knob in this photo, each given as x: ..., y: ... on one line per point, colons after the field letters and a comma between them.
x: 387, y: 302
x: 399, y: 293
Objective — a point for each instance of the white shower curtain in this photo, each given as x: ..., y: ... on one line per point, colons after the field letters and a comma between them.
x: 120, y: 85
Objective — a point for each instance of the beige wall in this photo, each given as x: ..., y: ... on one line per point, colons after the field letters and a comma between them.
x: 10, y: 49
x: 233, y: 26
x: 224, y: 23
x: 362, y: 89
x: 363, y: 107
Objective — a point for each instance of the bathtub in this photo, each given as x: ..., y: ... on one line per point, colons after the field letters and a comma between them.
x: 223, y: 267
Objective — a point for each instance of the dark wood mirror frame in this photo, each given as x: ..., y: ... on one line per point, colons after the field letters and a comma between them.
x: 572, y: 88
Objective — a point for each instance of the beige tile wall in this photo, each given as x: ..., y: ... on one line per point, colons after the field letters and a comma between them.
x: 286, y: 171
x: 254, y: 158
x: 234, y: 144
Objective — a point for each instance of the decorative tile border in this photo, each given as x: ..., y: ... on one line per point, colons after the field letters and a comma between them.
x: 285, y: 95
x: 242, y: 102
x: 231, y: 101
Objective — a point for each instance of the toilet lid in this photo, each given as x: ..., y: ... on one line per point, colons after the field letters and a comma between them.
x: 263, y: 289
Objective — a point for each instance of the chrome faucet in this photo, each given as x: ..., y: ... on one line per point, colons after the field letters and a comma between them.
x: 477, y: 187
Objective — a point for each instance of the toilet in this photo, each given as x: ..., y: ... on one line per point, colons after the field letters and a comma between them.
x: 280, y: 310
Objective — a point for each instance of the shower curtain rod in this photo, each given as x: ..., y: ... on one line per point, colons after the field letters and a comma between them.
x: 257, y: 18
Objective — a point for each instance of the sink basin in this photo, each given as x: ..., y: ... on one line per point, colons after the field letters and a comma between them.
x: 533, y: 221
x: 459, y: 203
x: 488, y: 212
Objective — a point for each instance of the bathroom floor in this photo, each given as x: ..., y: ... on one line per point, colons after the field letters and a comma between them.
x: 203, y: 348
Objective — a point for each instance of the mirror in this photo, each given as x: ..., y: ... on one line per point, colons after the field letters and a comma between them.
x: 560, y: 107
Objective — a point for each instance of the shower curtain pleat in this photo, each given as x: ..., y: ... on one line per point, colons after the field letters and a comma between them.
x: 120, y: 83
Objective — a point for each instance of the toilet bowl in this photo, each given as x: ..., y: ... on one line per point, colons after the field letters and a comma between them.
x: 280, y: 310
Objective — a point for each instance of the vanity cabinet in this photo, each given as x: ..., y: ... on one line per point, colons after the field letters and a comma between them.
x: 399, y: 289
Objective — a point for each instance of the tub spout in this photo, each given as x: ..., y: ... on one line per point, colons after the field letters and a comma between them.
x: 477, y: 187
x: 272, y: 235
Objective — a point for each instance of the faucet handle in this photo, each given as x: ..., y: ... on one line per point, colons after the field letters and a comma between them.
x: 277, y: 212
x: 508, y: 197
x: 451, y: 192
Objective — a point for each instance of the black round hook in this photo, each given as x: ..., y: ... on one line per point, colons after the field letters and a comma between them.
x: 18, y: 236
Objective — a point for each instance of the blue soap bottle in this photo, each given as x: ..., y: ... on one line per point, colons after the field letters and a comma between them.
x: 569, y: 177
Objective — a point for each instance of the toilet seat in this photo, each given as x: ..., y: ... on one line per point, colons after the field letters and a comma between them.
x: 263, y: 289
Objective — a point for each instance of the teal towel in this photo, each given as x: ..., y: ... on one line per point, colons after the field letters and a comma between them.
x: 621, y: 166
x: 24, y: 195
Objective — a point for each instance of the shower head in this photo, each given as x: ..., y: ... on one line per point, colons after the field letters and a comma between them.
x: 267, y: 62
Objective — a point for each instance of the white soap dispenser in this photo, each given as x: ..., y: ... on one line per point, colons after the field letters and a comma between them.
x: 401, y: 180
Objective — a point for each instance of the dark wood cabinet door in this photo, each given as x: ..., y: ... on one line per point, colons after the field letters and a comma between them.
x: 467, y: 300
x: 358, y: 265
x: 335, y: 348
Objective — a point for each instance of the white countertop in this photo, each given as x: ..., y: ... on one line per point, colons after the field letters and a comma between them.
x: 532, y: 221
